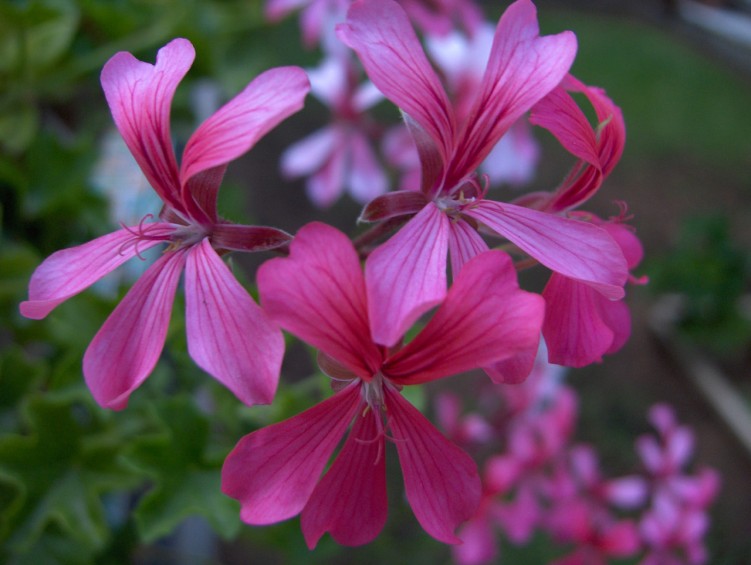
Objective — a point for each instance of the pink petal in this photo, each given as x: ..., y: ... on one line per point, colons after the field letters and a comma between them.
x: 139, y: 96
x: 275, y: 10
x: 522, y: 68
x: 392, y: 205
x: 248, y: 238
x: 383, y: 38
x: 464, y: 244
x: 485, y: 318
x: 229, y: 336
x: 67, y: 272
x: 270, y: 98
x: 515, y: 369
x: 366, y: 177
x: 574, y: 329
x: 573, y: 248
x: 441, y: 481
x: 326, y: 185
x: 318, y: 294
x: 273, y: 471
x: 350, y: 500
x: 479, y: 545
x: 616, y: 315
x: 126, y: 348
x: 310, y: 153
x: 406, y: 276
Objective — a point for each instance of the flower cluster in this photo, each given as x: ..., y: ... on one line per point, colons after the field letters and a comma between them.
x: 543, y: 482
x: 438, y: 293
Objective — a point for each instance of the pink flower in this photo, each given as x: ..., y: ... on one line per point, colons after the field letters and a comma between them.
x: 228, y: 334
x: 319, y: 294
x: 408, y: 273
x: 340, y: 155
x: 316, y: 19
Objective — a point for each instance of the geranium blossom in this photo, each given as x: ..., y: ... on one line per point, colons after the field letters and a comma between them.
x: 228, y: 334
x: 409, y: 271
x: 319, y: 294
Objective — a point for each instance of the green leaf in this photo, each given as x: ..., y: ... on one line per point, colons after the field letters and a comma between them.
x: 186, y: 480
x: 53, y: 476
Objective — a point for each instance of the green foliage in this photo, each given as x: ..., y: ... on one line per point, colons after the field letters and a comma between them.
x: 710, y: 272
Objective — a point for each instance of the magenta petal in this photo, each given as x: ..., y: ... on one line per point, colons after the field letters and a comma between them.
x: 383, y: 38
x: 139, y: 96
x: 485, y: 318
x: 366, y: 177
x: 522, y: 68
x: 464, y: 244
x: 513, y: 370
x: 406, y: 276
x: 392, y: 205
x: 238, y: 237
x: 350, y: 500
x: 239, y: 124
x: 229, y: 336
x: 574, y: 329
x: 67, y: 272
x: 318, y: 294
x: 273, y: 471
x: 126, y: 348
x: 441, y: 481
x: 573, y: 248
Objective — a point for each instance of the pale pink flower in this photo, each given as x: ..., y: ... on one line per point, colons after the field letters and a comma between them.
x: 320, y: 295
x: 440, y: 17
x: 339, y: 156
x: 408, y: 272
x: 317, y: 17
x: 228, y: 334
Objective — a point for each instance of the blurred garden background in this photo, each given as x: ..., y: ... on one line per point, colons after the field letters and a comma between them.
x: 79, y: 484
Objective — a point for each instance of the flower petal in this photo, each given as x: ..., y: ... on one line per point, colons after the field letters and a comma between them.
x: 522, y: 68
x: 406, y: 276
x: 229, y: 336
x: 310, y: 153
x: 350, y: 500
x: 392, y: 205
x: 381, y: 34
x: 441, y: 481
x: 273, y: 471
x: 366, y: 177
x: 485, y: 318
x: 270, y: 98
x: 574, y: 328
x: 126, y: 348
x: 248, y: 238
x: 318, y: 294
x: 573, y: 248
x: 464, y: 244
x: 139, y: 96
x: 67, y: 272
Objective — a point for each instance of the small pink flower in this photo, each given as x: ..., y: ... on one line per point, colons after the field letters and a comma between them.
x: 228, y: 334
x: 408, y: 272
x: 320, y: 295
x: 339, y: 156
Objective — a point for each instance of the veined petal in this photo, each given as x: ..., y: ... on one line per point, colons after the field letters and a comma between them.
x: 406, y: 276
x: 515, y: 369
x: 240, y: 123
x: 485, y: 318
x: 573, y: 248
x: 318, y: 294
x: 441, y: 481
x: 238, y: 237
x: 67, y: 272
x: 522, y: 68
x: 464, y: 244
x: 350, y: 500
x: 574, y: 329
x: 126, y: 348
x: 383, y: 38
x: 139, y: 96
x: 273, y: 471
x: 229, y: 336
x: 392, y: 205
